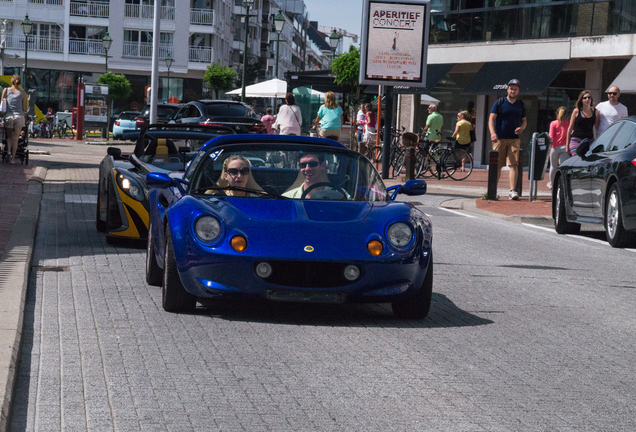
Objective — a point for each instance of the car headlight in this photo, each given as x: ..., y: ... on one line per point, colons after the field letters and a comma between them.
x: 400, y: 234
x: 130, y: 186
x: 207, y: 229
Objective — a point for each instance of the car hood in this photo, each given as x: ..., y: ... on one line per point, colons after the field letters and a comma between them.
x: 288, y: 210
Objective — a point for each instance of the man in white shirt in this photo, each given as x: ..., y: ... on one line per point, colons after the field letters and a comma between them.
x: 611, y: 110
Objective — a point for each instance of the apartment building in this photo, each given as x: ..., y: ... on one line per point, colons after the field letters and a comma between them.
x: 556, y: 49
x: 66, y: 42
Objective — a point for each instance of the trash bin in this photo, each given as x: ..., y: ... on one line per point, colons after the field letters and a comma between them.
x: 540, y: 148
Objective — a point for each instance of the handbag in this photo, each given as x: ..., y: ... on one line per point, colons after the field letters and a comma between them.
x: 3, y: 106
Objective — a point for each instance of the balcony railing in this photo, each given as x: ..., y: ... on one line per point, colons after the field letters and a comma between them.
x: 201, y: 54
x: 144, y: 50
x: 90, y: 9
x: 35, y: 43
x: 86, y: 46
x: 148, y: 11
x: 202, y: 17
x: 48, y: 2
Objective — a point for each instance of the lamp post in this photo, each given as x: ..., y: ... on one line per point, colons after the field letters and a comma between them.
x: 248, y: 4
x: 279, y: 23
x: 27, y: 25
x: 334, y: 39
x: 169, y: 61
x: 107, y: 41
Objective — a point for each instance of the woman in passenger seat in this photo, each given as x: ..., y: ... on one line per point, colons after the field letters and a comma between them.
x: 237, y: 171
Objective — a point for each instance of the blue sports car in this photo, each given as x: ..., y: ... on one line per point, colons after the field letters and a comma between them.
x: 287, y: 218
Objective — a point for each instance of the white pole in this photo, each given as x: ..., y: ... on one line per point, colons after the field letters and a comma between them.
x: 154, y: 80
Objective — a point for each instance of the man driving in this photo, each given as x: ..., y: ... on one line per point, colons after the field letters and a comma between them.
x: 313, y: 169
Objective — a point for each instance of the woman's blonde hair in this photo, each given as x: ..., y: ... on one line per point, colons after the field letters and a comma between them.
x: 560, y: 113
x: 249, y: 184
x: 464, y: 114
x: 15, y: 80
x: 330, y: 100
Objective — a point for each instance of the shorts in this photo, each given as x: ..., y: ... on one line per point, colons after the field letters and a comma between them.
x: 466, y: 147
x: 507, y: 148
x: 334, y: 134
x: 16, y: 122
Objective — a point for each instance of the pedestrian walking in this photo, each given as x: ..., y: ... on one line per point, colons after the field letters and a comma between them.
x: 582, y: 122
x: 558, y: 135
x: 463, y: 127
x: 15, y: 116
x: 268, y: 120
x: 330, y: 117
x: 610, y: 111
x: 507, y: 121
x: 289, y: 119
x: 361, y: 120
x: 434, y: 123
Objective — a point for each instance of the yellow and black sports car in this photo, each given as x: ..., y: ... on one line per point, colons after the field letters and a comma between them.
x: 122, y: 194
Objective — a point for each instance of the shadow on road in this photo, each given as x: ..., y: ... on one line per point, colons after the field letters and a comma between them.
x: 444, y: 313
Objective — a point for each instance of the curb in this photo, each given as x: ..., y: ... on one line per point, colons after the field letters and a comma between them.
x: 471, y: 206
x: 14, y: 277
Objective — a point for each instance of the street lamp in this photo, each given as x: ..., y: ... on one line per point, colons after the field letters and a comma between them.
x: 27, y: 25
x: 107, y: 41
x: 279, y: 23
x: 169, y: 61
x: 334, y: 39
x: 248, y: 4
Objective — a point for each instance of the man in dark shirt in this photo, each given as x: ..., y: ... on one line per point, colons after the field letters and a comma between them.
x: 507, y: 121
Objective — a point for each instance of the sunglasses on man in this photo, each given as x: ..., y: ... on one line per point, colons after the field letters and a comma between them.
x: 235, y: 171
x: 312, y: 164
x: 612, y: 93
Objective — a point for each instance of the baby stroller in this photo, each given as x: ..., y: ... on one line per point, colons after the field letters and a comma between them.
x: 23, y: 145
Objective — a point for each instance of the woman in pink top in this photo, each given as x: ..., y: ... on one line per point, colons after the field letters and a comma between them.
x: 558, y: 135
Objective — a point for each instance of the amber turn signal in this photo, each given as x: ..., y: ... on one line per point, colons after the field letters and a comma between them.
x: 238, y: 243
x: 374, y: 247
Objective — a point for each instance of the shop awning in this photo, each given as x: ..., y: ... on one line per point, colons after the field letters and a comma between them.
x: 535, y: 76
x: 434, y: 74
x: 625, y: 80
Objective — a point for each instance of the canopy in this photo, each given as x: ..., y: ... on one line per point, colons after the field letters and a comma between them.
x: 303, y: 90
x: 535, y: 76
x: 625, y: 80
x: 428, y: 99
x: 267, y: 89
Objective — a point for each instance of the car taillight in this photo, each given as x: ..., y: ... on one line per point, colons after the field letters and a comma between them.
x: 259, y: 128
x: 205, y: 123
x: 140, y: 121
x: 116, y: 122
x: 634, y: 162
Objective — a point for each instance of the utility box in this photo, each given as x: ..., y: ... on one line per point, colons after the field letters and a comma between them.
x: 64, y: 117
x: 540, y: 146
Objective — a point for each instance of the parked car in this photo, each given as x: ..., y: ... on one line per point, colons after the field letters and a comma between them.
x: 343, y: 239
x: 165, y: 113
x: 598, y: 185
x: 126, y: 120
x: 122, y: 194
x: 235, y: 115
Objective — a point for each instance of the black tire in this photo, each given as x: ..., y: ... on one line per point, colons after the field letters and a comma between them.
x: 417, y: 307
x: 69, y: 132
x: 617, y: 235
x: 398, y: 162
x: 561, y: 224
x: 374, y: 154
x: 154, y: 273
x: 420, y: 159
x: 174, y: 297
x: 455, y: 159
x: 100, y: 225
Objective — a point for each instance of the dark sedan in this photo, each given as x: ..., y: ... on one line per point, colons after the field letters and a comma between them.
x: 165, y: 113
x: 235, y: 115
x: 598, y: 185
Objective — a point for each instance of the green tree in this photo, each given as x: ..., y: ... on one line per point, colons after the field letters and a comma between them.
x: 118, y: 85
x: 251, y: 74
x: 219, y: 78
x: 346, y: 71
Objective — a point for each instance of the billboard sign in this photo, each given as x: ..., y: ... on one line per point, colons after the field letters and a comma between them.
x: 394, y: 42
x: 96, y: 105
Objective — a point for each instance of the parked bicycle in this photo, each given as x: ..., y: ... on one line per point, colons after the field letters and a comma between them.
x: 63, y: 130
x: 375, y: 153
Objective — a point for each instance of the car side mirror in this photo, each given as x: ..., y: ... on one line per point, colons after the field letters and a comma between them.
x: 583, y: 147
x: 598, y: 148
x: 114, y: 152
x: 158, y: 180
x: 413, y: 188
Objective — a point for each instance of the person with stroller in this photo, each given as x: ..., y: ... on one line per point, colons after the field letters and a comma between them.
x: 15, y: 116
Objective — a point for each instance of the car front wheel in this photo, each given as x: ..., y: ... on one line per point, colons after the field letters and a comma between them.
x: 417, y: 307
x: 616, y: 234
x: 174, y: 297
x: 153, y: 271
x: 561, y: 224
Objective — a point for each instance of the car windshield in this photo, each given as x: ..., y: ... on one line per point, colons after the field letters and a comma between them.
x: 128, y: 116
x: 228, y: 110
x: 163, y: 112
x: 287, y: 171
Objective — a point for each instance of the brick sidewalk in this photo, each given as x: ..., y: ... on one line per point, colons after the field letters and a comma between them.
x: 13, y: 188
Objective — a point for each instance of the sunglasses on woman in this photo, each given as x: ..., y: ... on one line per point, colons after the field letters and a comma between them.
x: 312, y: 164
x: 235, y: 171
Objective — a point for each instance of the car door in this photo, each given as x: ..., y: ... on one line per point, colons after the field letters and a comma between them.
x: 181, y: 114
x: 604, y: 164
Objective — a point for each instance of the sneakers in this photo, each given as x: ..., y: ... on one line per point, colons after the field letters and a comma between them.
x: 12, y: 162
x: 513, y: 195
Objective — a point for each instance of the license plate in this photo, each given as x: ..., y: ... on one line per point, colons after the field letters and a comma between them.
x: 305, y: 296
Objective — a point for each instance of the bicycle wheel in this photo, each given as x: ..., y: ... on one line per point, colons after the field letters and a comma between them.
x: 58, y: 131
x: 374, y: 154
x: 70, y: 133
x: 462, y: 162
x: 420, y: 158
x: 398, y: 162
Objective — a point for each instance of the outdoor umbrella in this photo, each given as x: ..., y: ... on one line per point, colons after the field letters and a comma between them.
x: 267, y: 89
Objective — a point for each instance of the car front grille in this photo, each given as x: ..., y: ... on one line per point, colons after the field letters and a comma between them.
x: 308, y: 274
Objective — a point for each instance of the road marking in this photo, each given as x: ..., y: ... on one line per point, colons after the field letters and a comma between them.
x: 538, y: 227
x: 589, y: 239
x: 428, y: 215
x: 458, y: 213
